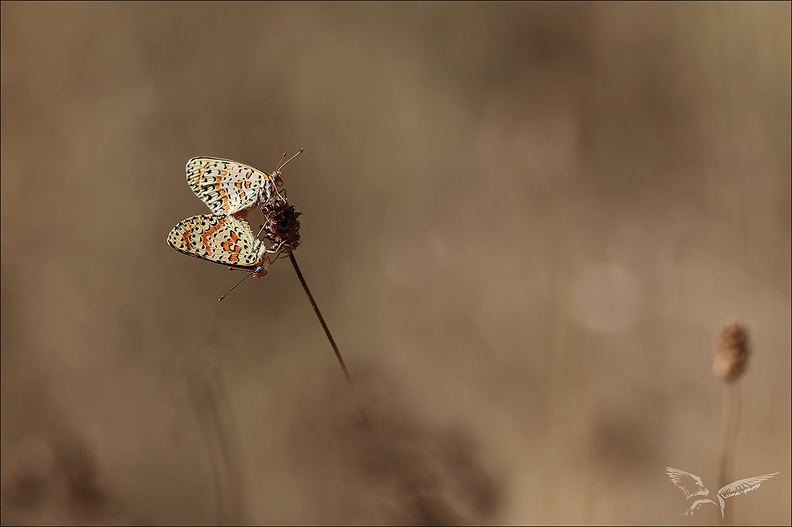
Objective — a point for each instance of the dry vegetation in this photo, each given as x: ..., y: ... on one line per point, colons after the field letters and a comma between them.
x: 523, y: 222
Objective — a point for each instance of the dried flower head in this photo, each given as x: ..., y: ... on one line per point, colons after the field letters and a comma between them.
x: 281, y: 224
x: 732, y: 348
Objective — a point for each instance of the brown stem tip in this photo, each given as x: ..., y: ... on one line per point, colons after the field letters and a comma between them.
x: 732, y: 348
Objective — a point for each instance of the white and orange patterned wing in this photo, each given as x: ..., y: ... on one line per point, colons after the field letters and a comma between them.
x: 227, y: 187
x: 222, y: 239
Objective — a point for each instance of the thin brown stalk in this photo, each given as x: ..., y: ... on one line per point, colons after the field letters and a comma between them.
x: 329, y: 336
x: 731, y: 415
x: 732, y: 349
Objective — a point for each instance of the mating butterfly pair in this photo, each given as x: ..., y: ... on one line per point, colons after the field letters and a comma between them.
x: 230, y: 190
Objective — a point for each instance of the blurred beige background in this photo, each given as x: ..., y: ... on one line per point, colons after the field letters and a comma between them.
x: 524, y: 223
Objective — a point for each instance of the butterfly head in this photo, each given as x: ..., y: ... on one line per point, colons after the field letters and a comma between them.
x: 277, y: 177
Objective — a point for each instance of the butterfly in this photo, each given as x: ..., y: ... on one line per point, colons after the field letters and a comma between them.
x: 226, y: 240
x: 230, y: 190
x: 228, y: 187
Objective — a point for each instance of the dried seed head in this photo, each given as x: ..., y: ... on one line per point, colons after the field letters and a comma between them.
x: 281, y: 224
x: 732, y: 348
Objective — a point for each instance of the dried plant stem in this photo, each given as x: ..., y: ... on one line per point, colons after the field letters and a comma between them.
x: 732, y: 351
x: 327, y: 332
x: 731, y: 414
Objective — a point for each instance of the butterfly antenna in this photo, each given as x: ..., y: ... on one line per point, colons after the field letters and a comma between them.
x: 237, y: 285
x: 283, y: 163
x: 327, y: 331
